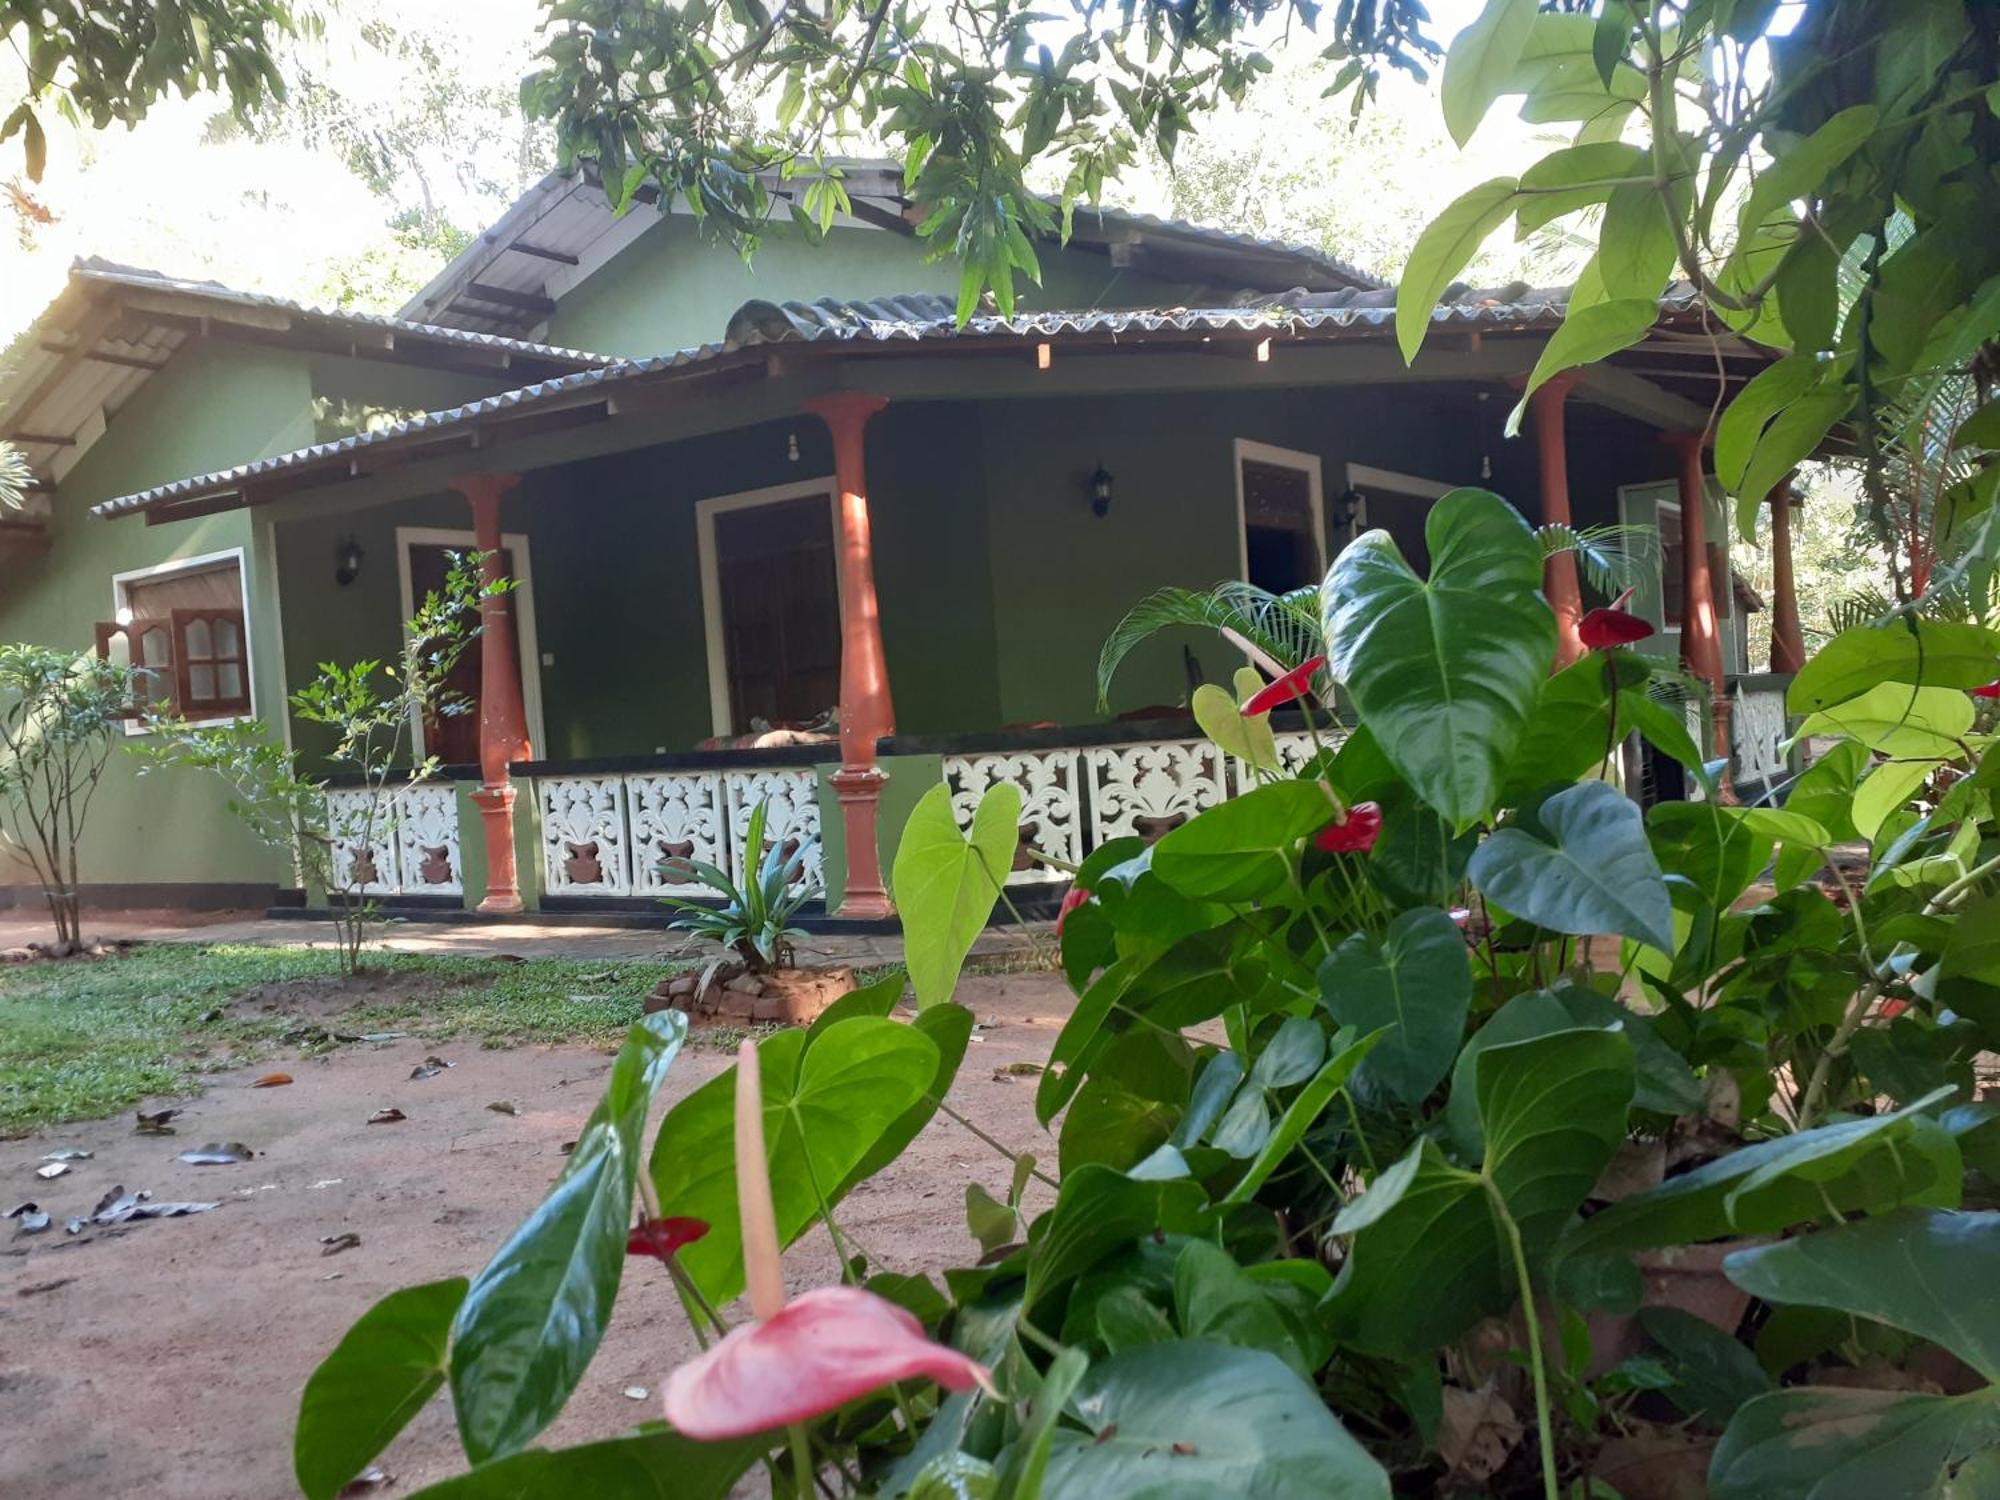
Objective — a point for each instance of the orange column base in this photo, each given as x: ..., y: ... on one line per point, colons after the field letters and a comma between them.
x: 496, y: 811
x: 859, y: 790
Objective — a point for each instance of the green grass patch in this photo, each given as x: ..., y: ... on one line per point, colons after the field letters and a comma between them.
x: 80, y: 1039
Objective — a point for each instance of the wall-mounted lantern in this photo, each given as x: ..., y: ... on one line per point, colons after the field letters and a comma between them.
x: 1100, y: 492
x: 347, y: 562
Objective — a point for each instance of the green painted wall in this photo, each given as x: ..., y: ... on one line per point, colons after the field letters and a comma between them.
x: 674, y: 288
x: 213, y: 406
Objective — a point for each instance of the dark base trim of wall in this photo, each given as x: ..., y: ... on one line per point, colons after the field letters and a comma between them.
x: 576, y: 912
x: 193, y: 895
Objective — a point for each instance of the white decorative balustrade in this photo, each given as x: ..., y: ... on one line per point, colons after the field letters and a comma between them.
x: 623, y: 833
x: 1759, y: 728
x: 1076, y: 797
x: 402, y: 840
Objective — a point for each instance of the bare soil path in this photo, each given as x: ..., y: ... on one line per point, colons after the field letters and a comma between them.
x: 164, y: 1359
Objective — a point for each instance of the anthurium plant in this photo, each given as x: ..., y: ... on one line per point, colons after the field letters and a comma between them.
x: 1430, y: 1120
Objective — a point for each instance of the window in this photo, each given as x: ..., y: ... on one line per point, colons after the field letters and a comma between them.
x: 182, y: 628
x: 1673, y: 564
x: 1398, y: 503
x: 1278, y: 497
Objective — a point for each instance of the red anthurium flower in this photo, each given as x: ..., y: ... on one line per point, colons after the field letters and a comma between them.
x: 1355, y: 835
x: 1987, y: 690
x: 1615, y: 626
x: 662, y: 1237
x: 806, y: 1357
x: 1074, y: 897
x: 1894, y: 1008
x: 1292, y: 685
x: 823, y: 1349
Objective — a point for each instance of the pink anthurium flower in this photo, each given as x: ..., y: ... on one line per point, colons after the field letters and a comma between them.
x: 1354, y: 834
x: 800, y: 1359
x: 662, y: 1237
x: 1294, y: 684
x: 1614, y: 626
x: 1986, y: 690
x: 1074, y: 897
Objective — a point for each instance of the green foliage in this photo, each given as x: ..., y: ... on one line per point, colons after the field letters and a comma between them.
x: 1431, y: 1064
x: 382, y: 1373
x: 754, y: 921
x: 371, y: 707
x: 106, y: 63
x: 827, y: 1101
x: 532, y: 1319
x: 947, y: 883
x: 1446, y: 670
x: 59, y: 714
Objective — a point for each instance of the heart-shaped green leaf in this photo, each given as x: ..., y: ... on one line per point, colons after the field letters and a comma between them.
x: 825, y: 1107
x: 946, y: 885
x: 1427, y: 1260
x: 1893, y: 718
x: 1594, y: 873
x: 1417, y: 982
x: 1911, y: 1269
x: 379, y: 1375
x: 533, y: 1318
x: 1820, y: 1443
x: 1925, y: 653
x: 1242, y: 849
x: 1099, y: 1211
x: 1187, y: 1418
x: 1446, y: 671
x: 1869, y: 1165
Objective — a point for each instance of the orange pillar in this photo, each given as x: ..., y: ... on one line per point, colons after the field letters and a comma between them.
x: 1559, y: 580
x: 866, y: 713
x: 1701, y: 642
x: 1788, y: 642
x: 503, y: 721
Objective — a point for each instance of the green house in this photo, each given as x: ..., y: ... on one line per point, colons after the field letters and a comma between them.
x: 783, y: 532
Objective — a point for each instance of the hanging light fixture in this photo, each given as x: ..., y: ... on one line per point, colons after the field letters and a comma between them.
x: 347, y: 562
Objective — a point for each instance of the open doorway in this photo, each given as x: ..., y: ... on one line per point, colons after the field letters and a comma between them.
x: 771, y: 605
x: 423, y: 557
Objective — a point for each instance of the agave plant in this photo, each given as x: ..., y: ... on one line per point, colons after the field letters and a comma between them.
x: 754, y: 921
x: 1286, y: 629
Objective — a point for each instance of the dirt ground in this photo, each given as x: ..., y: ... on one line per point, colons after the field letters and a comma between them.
x: 164, y: 1358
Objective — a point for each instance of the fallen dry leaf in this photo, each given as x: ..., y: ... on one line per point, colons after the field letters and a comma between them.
x: 503, y: 1107
x: 68, y: 1153
x: 1477, y: 1432
x: 335, y: 1243
x: 272, y: 1081
x: 216, y: 1154
x: 387, y: 1116
x: 52, y: 1170
x: 154, y: 1122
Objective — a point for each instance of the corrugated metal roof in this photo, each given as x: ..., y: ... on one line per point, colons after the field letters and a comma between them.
x: 539, y: 393
x: 55, y: 399
x: 562, y: 229
x: 887, y: 320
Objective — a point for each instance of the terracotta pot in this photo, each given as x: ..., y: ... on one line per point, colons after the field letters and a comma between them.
x: 1690, y: 1278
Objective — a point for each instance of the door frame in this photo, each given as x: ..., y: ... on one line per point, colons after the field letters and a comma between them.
x: 705, y: 512
x: 1277, y: 458
x: 525, y: 640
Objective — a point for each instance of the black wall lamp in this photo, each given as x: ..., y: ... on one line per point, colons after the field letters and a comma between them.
x: 347, y: 562
x: 1347, y: 509
x: 1100, y: 492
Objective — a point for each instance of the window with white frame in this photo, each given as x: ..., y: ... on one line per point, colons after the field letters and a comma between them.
x: 1279, y: 498
x: 181, y: 626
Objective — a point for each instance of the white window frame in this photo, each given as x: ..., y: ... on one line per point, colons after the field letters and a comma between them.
x: 705, y: 512
x: 1362, y: 478
x: 121, y: 606
x: 526, y: 647
x: 1278, y: 458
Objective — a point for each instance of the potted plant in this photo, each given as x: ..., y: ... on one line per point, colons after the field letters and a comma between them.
x: 754, y: 975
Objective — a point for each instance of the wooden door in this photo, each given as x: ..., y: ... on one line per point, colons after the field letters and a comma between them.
x: 780, y: 610
x: 453, y: 738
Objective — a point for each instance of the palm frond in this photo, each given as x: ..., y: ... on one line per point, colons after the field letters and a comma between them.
x: 1608, y: 557
x: 1285, y: 627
